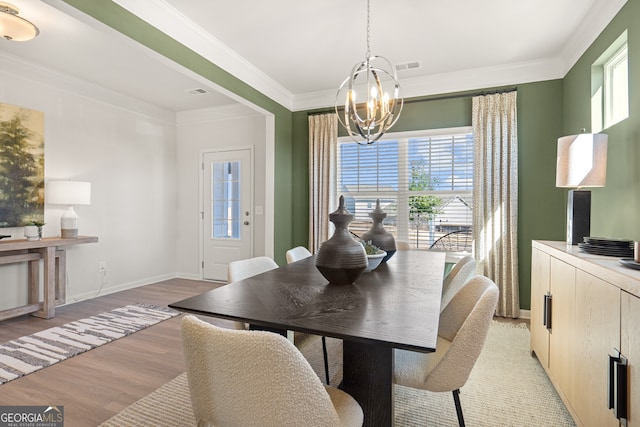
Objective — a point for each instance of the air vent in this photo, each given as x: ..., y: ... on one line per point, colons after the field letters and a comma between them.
x: 197, y: 91
x: 412, y: 65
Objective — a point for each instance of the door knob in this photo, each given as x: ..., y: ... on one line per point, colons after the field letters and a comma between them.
x: 246, y: 223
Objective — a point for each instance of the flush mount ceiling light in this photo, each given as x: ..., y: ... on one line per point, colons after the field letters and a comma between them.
x: 13, y: 27
x: 370, y: 97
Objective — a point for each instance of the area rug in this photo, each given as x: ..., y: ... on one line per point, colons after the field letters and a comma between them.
x: 28, y: 354
x: 507, y: 387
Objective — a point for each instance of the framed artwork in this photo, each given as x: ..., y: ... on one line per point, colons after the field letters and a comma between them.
x: 21, y: 165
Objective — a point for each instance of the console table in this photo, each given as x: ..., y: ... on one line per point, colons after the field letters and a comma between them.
x: 51, y: 251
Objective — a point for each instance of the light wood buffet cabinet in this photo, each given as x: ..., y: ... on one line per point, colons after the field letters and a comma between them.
x: 585, y: 331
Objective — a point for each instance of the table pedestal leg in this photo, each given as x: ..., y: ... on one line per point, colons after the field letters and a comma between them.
x: 368, y: 378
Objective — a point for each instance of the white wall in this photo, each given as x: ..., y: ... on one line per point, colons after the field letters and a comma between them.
x: 127, y: 150
x: 211, y: 129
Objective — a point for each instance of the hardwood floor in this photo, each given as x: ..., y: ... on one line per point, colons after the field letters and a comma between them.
x: 96, y: 385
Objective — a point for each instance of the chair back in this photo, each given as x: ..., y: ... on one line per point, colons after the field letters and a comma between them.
x: 464, y: 270
x: 465, y: 323
x: 251, y: 378
x: 401, y: 245
x: 297, y: 253
x: 244, y: 268
x: 455, y: 241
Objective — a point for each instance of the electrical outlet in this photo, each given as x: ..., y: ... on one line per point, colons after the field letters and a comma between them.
x: 102, y: 266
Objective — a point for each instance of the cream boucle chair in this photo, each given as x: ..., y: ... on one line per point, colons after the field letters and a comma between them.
x: 257, y: 378
x: 297, y: 253
x: 402, y: 245
x: 464, y: 325
x: 245, y: 268
x: 464, y: 270
x: 293, y: 255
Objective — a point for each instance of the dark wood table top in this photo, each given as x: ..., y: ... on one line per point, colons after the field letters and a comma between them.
x: 398, y: 304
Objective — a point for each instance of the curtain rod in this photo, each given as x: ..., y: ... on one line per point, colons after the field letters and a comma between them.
x: 436, y: 98
x: 463, y: 95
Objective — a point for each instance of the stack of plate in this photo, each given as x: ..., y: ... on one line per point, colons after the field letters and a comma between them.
x: 609, y: 247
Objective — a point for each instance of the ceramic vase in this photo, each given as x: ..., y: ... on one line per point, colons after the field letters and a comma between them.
x: 31, y: 232
x: 378, y: 235
x: 341, y: 259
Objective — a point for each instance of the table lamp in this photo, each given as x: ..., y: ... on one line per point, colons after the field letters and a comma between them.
x: 68, y: 193
x: 581, y: 162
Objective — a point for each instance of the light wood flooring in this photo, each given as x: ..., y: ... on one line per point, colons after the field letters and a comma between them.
x: 98, y: 384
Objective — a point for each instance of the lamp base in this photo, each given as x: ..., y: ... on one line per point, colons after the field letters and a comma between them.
x: 69, y: 224
x: 69, y: 233
x: 578, y: 216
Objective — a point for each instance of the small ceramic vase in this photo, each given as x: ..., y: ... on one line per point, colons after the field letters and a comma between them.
x: 341, y: 259
x: 378, y: 235
x: 31, y: 232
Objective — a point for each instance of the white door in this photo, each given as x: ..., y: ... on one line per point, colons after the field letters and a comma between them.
x: 227, y: 217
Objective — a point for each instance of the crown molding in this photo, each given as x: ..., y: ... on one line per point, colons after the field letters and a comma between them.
x: 215, y: 114
x: 38, y: 75
x: 594, y: 22
x: 455, y: 81
x: 175, y: 24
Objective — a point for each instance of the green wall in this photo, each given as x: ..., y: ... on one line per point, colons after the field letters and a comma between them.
x: 614, y: 208
x: 540, y: 204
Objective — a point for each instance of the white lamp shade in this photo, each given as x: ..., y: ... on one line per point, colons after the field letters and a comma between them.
x: 582, y: 160
x: 68, y: 193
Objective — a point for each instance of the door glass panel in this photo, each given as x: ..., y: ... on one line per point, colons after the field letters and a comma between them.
x: 225, y: 188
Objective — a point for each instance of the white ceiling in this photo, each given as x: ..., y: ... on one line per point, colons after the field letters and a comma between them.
x: 299, y: 52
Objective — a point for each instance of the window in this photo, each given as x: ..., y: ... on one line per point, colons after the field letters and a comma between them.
x: 610, y: 86
x: 424, y: 181
x: 616, y: 88
x: 225, y: 187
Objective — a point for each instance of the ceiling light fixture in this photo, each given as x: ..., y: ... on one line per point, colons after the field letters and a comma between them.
x: 13, y: 27
x: 366, y: 120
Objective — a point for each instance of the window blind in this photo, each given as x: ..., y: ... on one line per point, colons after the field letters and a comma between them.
x: 424, y: 184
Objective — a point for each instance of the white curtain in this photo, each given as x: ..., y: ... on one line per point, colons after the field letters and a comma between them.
x: 323, y: 138
x: 495, y: 196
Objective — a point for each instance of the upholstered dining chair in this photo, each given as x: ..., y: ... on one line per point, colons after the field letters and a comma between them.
x: 401, y: 245
x: 462, y: 271
x: 245, y: 268
x: 293, y: 255
x: 464, y: 325
x: 297, y: 253
x: 257, y: 378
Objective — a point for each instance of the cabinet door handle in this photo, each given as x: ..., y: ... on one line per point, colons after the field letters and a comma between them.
x: 546, y: 318
x: 618, y: 385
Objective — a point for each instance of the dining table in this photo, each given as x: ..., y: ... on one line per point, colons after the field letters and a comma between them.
x: 395, y: 306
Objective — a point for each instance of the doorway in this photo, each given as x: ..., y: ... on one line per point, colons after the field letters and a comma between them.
x: 227, y: 217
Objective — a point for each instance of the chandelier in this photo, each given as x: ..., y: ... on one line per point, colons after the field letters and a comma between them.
x: 370, y: 97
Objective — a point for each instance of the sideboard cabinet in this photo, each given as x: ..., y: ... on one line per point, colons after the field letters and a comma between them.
x: 585, y: 313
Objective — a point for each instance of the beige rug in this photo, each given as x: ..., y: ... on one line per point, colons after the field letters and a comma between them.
x: 507, y: 387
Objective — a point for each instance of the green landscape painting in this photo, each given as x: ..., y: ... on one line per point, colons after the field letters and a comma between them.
x: 21, y: 165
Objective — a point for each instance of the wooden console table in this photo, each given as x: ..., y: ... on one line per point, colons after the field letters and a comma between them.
x: 51, y: 251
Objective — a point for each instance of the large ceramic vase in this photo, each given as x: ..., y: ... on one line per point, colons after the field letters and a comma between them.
x: 378, y: 235
x: 341, y: 259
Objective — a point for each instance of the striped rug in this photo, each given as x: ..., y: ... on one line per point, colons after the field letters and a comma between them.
x: 28, y: 354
